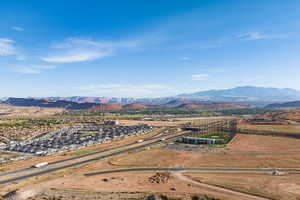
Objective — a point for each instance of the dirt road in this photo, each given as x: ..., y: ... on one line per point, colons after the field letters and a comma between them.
x: 241, y: 195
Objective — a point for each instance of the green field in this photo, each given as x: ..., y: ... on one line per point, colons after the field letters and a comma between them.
x: 221, y: 135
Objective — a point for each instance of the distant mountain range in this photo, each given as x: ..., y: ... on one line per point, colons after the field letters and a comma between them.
x: 82, y: 99
x: 291, y: 104
x: 246, y: 95
x: 71, y: 105
x: 25, y: 102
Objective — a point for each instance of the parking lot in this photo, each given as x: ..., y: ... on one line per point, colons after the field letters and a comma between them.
x: 76, y: 137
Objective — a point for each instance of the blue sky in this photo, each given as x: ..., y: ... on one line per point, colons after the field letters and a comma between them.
x: 140, y: 48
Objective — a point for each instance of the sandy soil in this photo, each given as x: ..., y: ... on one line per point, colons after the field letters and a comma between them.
x: 151, y: 123
x: 6, y: 110
x: 274, y: 128
x: 280, y: 187
x: 220, y: 189
x: 257, y: 143
x: 170, y: 158
x: 245, y: 151
x: 133, y: 182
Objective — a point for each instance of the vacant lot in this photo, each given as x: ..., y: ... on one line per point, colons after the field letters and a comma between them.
x: 130, y: 183
x: 15, y: 111
x: 244, y: 151
x: 280, y: 187
x: 273, y: 128
x: 259, y: 143
x: 171, y: 158
x: 151, y: 123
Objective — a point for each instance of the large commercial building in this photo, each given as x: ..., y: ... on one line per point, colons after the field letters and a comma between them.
x: 194, y: 140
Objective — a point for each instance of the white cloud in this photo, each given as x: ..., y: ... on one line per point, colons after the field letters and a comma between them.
x: 126, y: 90
x: 79, y: 50
x: 17, y: 28
x: 31, y: 69
x: 253, y: 36
x: 184, y: 58
x: 78, y: 56
x: 7, y: 47
x: 199, y: 77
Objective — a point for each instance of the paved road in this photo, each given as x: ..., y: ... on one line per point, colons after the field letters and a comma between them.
x: 78, y: 157
x: 220, y: 170
x: 46, y: 171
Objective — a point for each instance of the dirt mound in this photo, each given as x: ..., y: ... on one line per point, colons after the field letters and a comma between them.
x: 21, y: 194
x: 160, y: 178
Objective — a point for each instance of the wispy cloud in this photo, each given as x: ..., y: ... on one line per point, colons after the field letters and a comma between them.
x: 79, y: 50
x: 199, y: 77
x: 17, y: 28
x: 254, y: 36
x: 31, y: 69
x: 76, y: 56
x: 184, y: 58
x: 123, y: 90
x: 7, y: 47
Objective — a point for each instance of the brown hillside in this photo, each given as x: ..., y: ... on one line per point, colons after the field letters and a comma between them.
x: 136, y: 106
x: 212, y: 106
x: 2, y: 104
x: 293, y: 115
x: 106, y: 107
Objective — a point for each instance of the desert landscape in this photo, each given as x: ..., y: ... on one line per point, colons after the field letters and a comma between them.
x: 158, y: 163
x: 149, y: 100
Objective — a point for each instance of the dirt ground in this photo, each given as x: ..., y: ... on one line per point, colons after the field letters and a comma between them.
x: 176, y: 122
x: 151, y: 123
x: 257, y: 143
x: 132, y: 182
x: 200, y: 119
x: 280, y: 187
x: 292, y: 128
x: 16, y: 111
x: 170, y: 158
x: 245, y: 151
